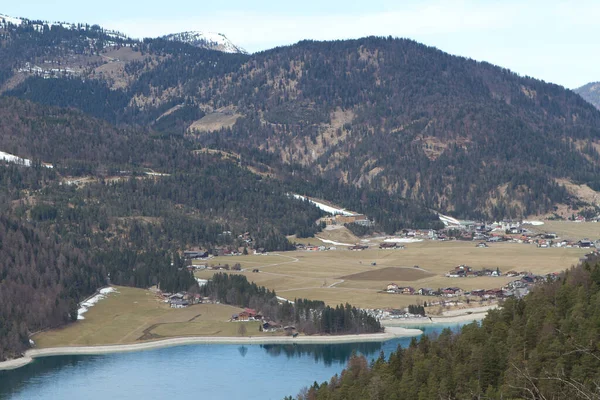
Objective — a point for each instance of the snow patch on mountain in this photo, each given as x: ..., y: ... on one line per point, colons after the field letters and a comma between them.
x: 11, y: 158
x: 14, y: 159
x: 206, y: 40
x: 5, y: 20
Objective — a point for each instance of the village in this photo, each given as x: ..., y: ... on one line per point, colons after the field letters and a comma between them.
x: 493, y: 269
x: 482, y: 233
x: 517, y: 288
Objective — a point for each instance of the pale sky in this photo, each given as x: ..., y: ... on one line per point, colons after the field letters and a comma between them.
x: 551, y: 40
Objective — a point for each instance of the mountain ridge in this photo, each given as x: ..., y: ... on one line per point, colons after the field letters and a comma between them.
x: 591, y: 93
x: 201, y: 39
x: 390, y: 115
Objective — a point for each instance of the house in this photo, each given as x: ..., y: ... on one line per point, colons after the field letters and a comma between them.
x: 271, y: 327
x: 290, y: 330
x: 189, y: 255
x: 408, y: 290
x: 392, y: 288
x: 451, y: 291
x: 243, y: 316
x: 585, y: 243
x: 179, y: 303
x: 426, y: 292
x: 527, y: 279
x: 463, y: 267
x: 387, y: 246
x: 493, y: 293
x: 176, y: 296
x: 248, y: 314
x: 358, y: 247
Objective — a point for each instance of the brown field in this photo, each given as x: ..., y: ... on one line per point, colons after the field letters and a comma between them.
x: 389, y: 274
x: 328, y: 275
x: 133, y: 315
x: 570, y: 230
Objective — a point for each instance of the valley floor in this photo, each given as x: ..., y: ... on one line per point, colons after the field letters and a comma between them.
x: 361, y: 277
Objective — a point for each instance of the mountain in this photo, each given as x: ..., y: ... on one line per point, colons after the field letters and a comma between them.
x: 39, y: 26
x: 206, y: 40
x: 591, y: 93
x: 378, y: 115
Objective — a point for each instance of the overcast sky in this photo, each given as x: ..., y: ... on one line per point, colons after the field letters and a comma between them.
x: 551, y: 40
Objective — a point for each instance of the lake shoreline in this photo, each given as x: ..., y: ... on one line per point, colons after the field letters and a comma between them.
x: 461, y: 316
x: 390, y: 333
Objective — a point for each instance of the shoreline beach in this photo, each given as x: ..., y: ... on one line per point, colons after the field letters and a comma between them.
x: 390, y: 333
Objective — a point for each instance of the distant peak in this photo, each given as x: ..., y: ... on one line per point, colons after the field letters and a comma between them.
x: 206, y: 40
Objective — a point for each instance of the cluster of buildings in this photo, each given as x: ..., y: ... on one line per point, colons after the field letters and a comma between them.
x: 446, y: 292
x: 463, y: 271
x: 250, y: 314
x: 391, y: 246
x: 348, y: 218
x: 309, y: 247
x: 517, y: 288
x: 182, y: 299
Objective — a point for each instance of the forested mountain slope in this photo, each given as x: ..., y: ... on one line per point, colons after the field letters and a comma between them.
x: 455, y: 134
x: 102, y: 209
x: 590, y: 92
x: 382, y: 114
x: 42, y: 279
x: 544, y: 346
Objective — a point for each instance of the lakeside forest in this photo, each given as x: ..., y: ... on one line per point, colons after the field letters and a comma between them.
x: 544, y: 346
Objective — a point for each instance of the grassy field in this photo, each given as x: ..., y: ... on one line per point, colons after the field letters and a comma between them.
x: 340, y: 276
x: 570, y: 230
x: 132, y: 315
x: 347, y: 276
x: 335, y: 233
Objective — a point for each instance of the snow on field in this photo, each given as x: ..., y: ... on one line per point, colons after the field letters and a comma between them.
x: 201, y: 282
x: 402, y: 240
x: 448, y: 220
x: 83, y: 307
x: 325, y: 207
x: 284, y: 299
x: 534, y: 223
x: 334, y: 243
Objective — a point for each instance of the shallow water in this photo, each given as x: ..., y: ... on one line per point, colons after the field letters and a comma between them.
x: 206, y: 371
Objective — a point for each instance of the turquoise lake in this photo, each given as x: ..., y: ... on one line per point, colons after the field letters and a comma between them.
x: 196, y: 371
